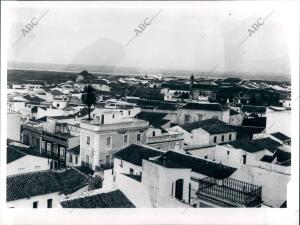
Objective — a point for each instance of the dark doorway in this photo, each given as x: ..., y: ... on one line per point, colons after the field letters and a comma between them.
x: 179, y: 189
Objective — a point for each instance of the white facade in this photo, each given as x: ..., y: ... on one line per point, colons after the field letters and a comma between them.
x: 202, y: 137
x: 28, y: 163
x: 190, y: 116
x: 14, y: 126
x: 40, y: 199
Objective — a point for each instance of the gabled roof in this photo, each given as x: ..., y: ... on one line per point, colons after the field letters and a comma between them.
x: 56, y: 92
x: 75, y: 150
x: 256, y: 145
x: 173, y: 159
x: 32, y: 184
x: 280, y: 136
x: 13, y: 155
x: 136, y: 153
x: 212, y: 126
x: 155, y: 119
x: 33, y: 98
x: 267, y: 158
x: 16, y: 152
x: 283, y: 158
x: 253, y: 109
x: 203, y: 106
x: 233, y: 112
x: 113, y: 199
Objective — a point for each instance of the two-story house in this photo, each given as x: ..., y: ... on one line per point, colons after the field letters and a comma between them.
x: 206, y: 132
x: 193, y: 112
x: 101, y: 138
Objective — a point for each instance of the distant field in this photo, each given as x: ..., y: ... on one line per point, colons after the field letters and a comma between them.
x: 31, y: 76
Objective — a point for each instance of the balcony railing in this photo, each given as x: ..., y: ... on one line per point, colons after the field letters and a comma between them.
x: 229, y: 192
x: 55, y: 136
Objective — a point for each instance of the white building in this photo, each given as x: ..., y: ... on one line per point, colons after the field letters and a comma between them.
x: 193, y: 112
x: 205, y: 132
x: 24, y: 160
x: 44, y: 189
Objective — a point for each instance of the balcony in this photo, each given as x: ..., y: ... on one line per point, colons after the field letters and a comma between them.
x: 56, y: 137
x: 229, y: 193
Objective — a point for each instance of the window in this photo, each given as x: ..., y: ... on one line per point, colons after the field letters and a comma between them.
x: 222, y: 138
x: 108, y: 142
x: 62, y: 152
x: 244, y: 159
x: 125, y: 140
x: 205, y: 157
x: 49, y: 203
x: 131, y: 171
x: 88, y: 140
x: 35, y: 204
x: 48, y: 148
x: 228, y: 152
x: 76, y: 159
x: 70, y: 158
x: 87, y: 159
x: 229, y: 137
x: 138, y: 137
x: 215, y: 139
x: 113, y: 116
x: 57, y: 105
x: 121, y: 164
x: 128, y: 112
x: 107, y: 159
x: 153, y: 133
x: 187, y: 118
x: 200, y: 117
x: 55, y: 150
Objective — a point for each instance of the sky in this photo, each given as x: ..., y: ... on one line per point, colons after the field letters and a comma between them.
x: 201, y: 36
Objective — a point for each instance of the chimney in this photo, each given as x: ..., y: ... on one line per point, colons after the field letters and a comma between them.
x: 96, y: 181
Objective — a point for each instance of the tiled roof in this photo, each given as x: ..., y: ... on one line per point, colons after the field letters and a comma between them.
x: 255, y: 122
x: 113, y: 199
x: 212, y: 126
x: 13, y: 155
x: 280, y: 136
x: 136, y: 153
x: 267, y: 158
x: 173, y: 159
x: 203, y: 106
x: 155, y: 119
x: 233, y: 112
x: 28, y: 185
x: 255, y: 145
x: 246, y: 131
x: 71, y: 180
x: 254, y: 109
x: 178, y: 87
x: 75, y: 150
x: 15, y: 152
x: 283, y: 158
x: 33, y: 98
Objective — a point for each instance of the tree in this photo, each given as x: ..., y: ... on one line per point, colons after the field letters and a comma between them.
x: 89, y: 97
x: 192, y: 79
